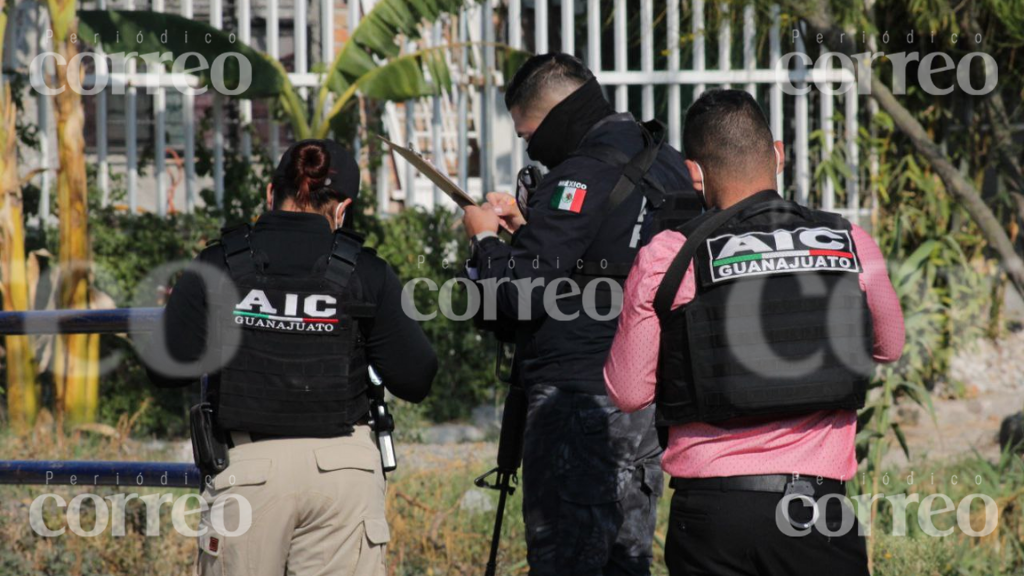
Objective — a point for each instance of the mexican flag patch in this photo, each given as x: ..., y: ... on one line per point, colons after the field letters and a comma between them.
x: 569, y: 196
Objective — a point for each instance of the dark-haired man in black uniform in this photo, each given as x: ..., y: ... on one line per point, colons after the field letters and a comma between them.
x: 591, y: 474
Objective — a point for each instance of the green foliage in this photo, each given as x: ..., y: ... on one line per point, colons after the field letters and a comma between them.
x: 1009, y: 14
x: 1000, y: 554
x: 432, y: 246
x: 402, y: 76
x: 126, y: 249
x: 378, y: 34
x: 949, y: 287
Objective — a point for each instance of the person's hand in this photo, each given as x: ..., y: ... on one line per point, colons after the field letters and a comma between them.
x: 479, y: 219
x: 507, y: 209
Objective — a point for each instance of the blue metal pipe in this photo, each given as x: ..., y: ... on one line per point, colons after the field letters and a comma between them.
x: 81, y: 473
x: 111, y: 321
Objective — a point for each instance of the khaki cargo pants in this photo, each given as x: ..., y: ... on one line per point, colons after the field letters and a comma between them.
x: 314, y: 506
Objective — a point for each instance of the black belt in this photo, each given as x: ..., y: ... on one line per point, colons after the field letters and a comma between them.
x: 771, y: 483
x: 257, y: 437
x: 260, y: 437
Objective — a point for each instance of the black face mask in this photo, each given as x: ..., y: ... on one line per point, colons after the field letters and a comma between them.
x: 561, y: 131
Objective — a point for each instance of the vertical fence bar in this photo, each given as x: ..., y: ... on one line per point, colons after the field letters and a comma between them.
x: 515, y: 25
x: 189, y: 130
x: 327, y: 31
x: 826, y: 111
x: 410, y: 137
x: 327, y: 54
x: 217, y: 21
x: 437, y: 144
x: 160, y: 135
x: 300, y: 24
x: 697, y: 27
x: 852, y: 153
x: 46, y: 175
x: 647, y: 56
x: 568, y: 27
x: 871, y: 112
x: 774, y: 59
x: 540, y: 26
x: 621, y: 61
x: 411, y: 193
x: 487, y: 109
x: 160, y: 151
x: 725, y: 42
x: 131, y: 118
x: 463, y: 103
x: 45, y: 178
x: 675, y: 93
x: 274, y: 51
x: 802, y: 125
x: 515, y: 39
x: 102, y: 163
x: 244, y: 11
x: 749, y: 55
x: 593, y: 35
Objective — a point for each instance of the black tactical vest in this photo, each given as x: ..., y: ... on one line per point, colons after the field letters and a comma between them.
x: 779, y: 323
x: 297, y: 365
x: 663, y: 209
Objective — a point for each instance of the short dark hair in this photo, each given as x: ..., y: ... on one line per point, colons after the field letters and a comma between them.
x: 543, y: 72
x: 726, y: 132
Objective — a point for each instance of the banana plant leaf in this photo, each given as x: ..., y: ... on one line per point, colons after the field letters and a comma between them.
x: 403, y: 77
x: 144, y: 32
x: 375, y: 43
x: 415, y: 75
x: 377, y: 36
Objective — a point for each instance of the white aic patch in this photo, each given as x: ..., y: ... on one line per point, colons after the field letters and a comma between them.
x: 258, y: 310
x: 822, y: 249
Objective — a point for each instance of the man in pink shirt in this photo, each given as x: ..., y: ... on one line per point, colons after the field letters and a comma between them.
x: 754, y: 330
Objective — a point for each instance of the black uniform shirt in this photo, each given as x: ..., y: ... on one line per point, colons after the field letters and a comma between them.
x: 564, y: 229
x: 292, y: 242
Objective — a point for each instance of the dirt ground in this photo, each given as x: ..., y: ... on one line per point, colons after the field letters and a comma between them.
x: 990, y: 375
x: 960, y: 426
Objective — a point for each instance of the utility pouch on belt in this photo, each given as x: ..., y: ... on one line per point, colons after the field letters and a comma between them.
x: 209, y: 451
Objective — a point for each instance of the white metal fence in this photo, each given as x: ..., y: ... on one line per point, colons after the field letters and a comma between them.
x: 643, y: 68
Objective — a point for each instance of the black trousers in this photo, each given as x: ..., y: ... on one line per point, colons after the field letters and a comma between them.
x: 591, y: 481
x: 733, y: 533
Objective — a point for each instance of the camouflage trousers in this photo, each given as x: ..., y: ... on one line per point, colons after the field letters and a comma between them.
x: 591, y: 482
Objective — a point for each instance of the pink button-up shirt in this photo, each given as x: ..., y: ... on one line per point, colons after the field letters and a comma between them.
x: 815, y: 444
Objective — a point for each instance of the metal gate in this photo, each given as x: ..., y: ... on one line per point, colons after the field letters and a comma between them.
x: 469, y: 128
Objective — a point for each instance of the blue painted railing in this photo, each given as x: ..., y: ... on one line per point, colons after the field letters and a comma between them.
x: 78, y: 473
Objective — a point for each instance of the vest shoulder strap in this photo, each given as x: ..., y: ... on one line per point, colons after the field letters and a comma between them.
x: 634, y: 170
x: 344, y: 257
x: 666, y: 293
x: 238, y: 253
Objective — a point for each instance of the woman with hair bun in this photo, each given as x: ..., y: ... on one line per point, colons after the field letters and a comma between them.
x: 288, y: 327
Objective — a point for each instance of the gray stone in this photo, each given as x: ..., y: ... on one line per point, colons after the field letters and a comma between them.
x: 476, y: 501
x: 452, y: 434
x: 487, y: 417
